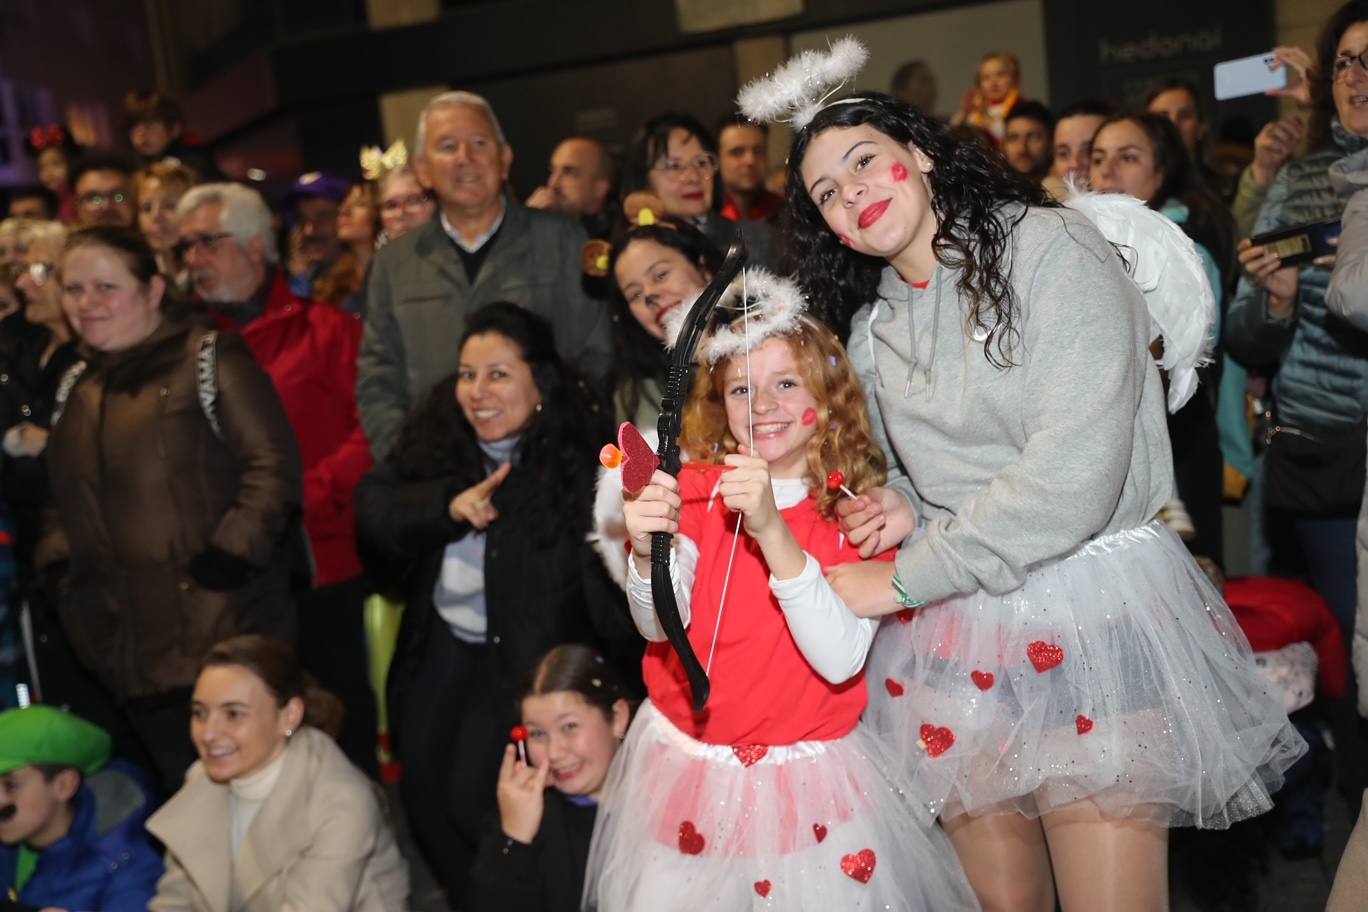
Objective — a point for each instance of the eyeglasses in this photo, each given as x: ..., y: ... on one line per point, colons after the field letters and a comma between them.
x: 414, y: 202
x: 1345, y: 62
x: 209, y: 243
x: 100, y: 200
x: 39, y: 273
x: 704, y: 164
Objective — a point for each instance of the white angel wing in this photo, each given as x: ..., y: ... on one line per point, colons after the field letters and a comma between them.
x: 1165, y: 264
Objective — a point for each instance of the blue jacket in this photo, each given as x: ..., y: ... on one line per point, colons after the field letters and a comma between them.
x: 106, y: 863
x: 1322, y: 379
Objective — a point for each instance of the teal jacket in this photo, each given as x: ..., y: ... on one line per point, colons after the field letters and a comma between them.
x: 1322, y: 361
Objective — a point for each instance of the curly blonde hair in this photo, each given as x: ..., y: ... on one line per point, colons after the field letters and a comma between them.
x: 843, y: 443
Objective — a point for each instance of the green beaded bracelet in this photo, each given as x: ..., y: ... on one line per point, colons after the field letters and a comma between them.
x: 902, y: 598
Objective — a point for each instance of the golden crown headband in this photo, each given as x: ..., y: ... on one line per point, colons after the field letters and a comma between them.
x: 376, y: 165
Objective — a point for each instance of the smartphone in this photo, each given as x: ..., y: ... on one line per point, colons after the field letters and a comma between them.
x: 1249, y: 76
x: 1300, y: 244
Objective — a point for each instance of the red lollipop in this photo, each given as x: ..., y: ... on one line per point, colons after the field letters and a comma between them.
x: 836, y: 481
x: 519, y: 736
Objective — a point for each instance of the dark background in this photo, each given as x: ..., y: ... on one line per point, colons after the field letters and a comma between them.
x: 294, y: 85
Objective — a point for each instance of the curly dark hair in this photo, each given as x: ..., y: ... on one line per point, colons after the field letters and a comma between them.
x: 1322, y: 78
x: 558, y: 449
x: 970, y: 185
x: 639, y: 357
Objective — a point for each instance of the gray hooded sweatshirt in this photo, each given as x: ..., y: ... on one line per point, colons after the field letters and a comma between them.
x: 1011, y: 468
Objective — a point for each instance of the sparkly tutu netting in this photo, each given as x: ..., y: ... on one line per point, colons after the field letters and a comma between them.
x: 1116, y: 674
x: 819, y: 825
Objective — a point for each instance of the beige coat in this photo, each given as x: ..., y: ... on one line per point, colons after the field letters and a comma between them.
x: 319, y: 843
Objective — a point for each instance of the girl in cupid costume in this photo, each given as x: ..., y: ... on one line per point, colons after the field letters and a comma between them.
x: 1061, y: 677
x: 772, y: 796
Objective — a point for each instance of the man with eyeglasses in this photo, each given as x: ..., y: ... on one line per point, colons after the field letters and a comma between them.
x: 228, y: 245
x: 483, y: 247
x: 103, y: 185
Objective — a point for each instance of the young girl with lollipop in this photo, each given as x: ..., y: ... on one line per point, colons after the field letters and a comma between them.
x: 574, y: 712
x: 772, y: 795
x: 1068, y: 684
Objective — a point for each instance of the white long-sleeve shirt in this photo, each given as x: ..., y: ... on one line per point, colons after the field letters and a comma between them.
x: 833, y: 640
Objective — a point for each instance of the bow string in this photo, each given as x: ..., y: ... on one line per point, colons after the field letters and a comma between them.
x: 669, y: 426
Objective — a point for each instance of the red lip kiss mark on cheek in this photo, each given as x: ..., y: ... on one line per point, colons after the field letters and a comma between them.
x: 845, y: 240
x: 899, y: 171
x: 809, y: 417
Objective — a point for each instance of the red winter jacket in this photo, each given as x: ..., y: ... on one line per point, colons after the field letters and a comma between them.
x: 1274, y: 612
x: 309, y: 350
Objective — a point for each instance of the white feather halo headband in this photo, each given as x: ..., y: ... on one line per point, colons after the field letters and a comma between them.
x: 796, y: 91
x: 772, y: 307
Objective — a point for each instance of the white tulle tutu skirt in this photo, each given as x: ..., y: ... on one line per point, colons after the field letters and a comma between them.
x: 1116, y: 674
x: 819, y: 825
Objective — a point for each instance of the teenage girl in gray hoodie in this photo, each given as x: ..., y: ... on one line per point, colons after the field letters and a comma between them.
x: 1065, y: 681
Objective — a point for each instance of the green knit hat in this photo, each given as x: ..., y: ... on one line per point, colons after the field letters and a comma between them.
x: 43, y: 736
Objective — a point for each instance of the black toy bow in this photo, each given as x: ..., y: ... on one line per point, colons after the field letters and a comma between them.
x: 677, y: 384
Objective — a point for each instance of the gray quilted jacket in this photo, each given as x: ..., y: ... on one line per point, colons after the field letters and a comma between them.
x: 1322, y: 361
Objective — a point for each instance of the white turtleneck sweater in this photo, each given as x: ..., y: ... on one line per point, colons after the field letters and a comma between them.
x: 247, y: 795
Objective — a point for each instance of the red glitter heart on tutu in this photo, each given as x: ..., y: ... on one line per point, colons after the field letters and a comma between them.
x: 1083, y: 724
x: 904, y: 616
x: 935, y: 740
x: 639, y: 461
x: 859, y: 866
x: 819, y: 831
x: 750, y: 754
x: 691, y: 841
x: 983, y: 680
x: 1043, y: 655
x: 762, y: 888
x: 894, y: 688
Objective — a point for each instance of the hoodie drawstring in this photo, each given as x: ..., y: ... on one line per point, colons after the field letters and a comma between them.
x: 915, y: 359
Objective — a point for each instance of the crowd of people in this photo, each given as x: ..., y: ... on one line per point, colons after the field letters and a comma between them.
x: 944, y: 623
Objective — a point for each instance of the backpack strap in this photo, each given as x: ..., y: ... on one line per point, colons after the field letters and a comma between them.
x: 64, y: 388
x: 206, y: 379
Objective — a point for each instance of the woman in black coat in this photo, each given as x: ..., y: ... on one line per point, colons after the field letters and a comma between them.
x: 483, y: 507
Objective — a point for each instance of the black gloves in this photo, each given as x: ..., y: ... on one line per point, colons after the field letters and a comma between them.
x: 218, y: 571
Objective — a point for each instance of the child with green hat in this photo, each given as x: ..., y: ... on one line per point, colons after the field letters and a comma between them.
x: 71, y: 822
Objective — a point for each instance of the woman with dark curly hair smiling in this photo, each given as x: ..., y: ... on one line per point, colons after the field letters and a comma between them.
x: 1063, y: 680
x: 483, y: 505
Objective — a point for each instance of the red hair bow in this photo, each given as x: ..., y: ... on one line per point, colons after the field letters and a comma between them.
x: 44, y: 137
